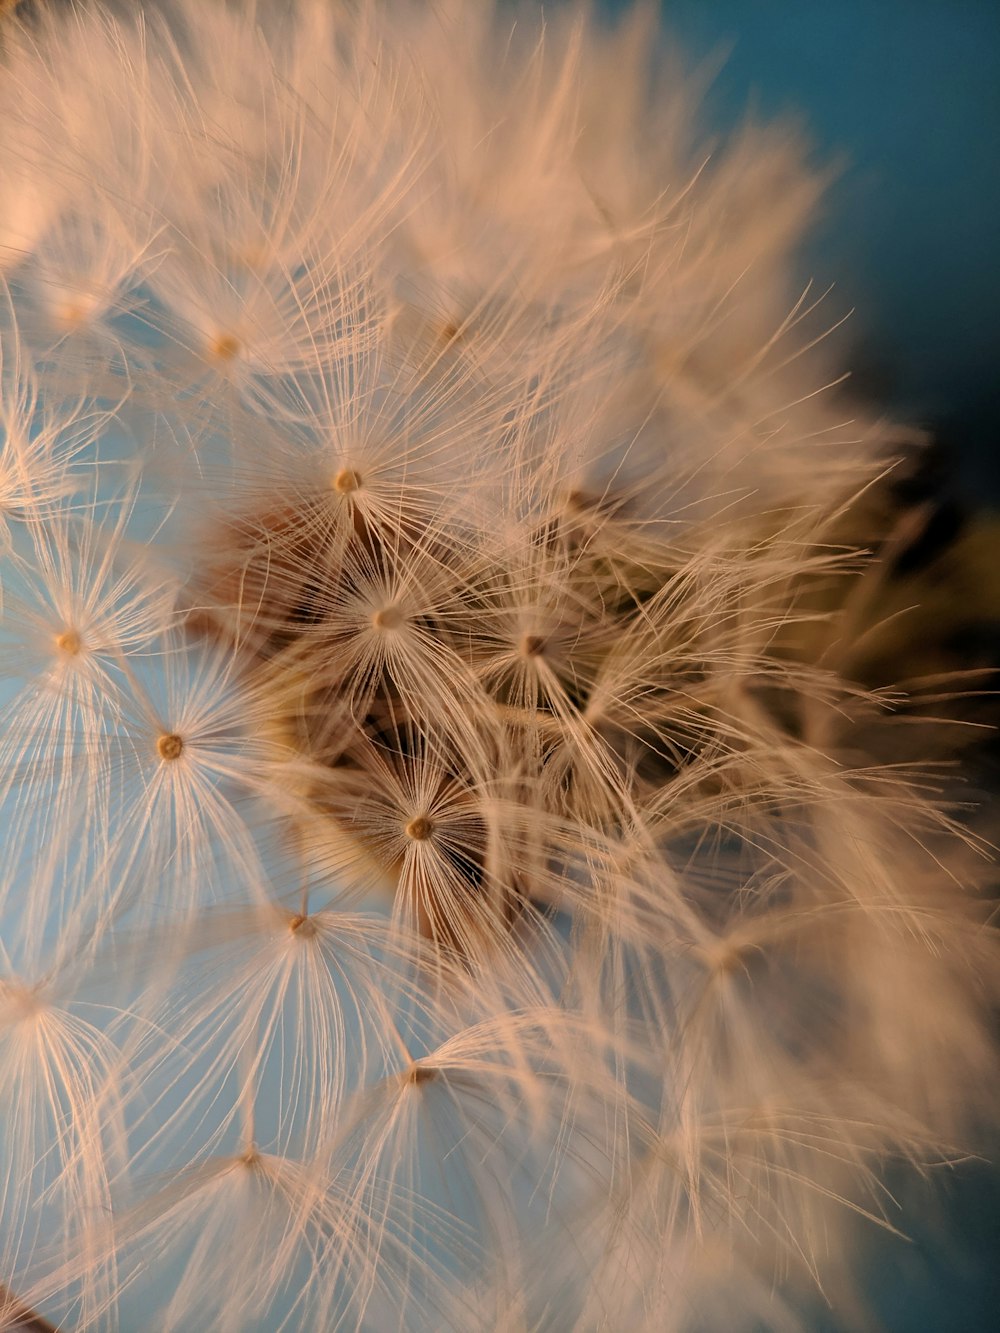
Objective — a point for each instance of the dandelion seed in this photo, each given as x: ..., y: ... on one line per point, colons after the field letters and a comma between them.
x: 389, y: 617
x: 347, y: 481
x: 419, y: 829
x: 69, y: 642
x: 225, y: 347
x: 169, y: 746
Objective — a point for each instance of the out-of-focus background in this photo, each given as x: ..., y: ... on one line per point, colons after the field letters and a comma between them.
x: 905, y: 96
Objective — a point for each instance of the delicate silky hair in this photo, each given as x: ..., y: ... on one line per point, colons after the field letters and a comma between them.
x: 450, y: 878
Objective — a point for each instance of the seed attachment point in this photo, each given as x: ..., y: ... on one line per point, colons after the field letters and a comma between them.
x: 69, y: 642
x: 72, y: 313
x: 388, y: 617
x: 169, y: 746
x: 224, y: 347
x: 347, y: 481
x: 417, y: 1074
x: 419, y: 829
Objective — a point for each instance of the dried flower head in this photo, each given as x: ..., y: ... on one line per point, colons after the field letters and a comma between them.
x: 460, y: 872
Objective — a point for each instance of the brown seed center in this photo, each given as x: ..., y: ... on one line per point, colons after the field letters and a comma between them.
x: 347, y: 481
x: 225, y: 347
x: 169, y: 745
x: 69, y: 642
x: 388, y: 617
x: 71, y: 313
x: 419, y: 829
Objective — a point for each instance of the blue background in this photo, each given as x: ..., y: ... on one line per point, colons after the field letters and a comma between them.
x: 906, y: 93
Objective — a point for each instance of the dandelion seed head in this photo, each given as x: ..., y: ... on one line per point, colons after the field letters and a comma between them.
x: 483, y: 506
x: 391, y: 617
x: 347, y: 481
x: 225, y: 347
x: 419, y: 829
x: 69, y: 642
x: 169, y: 746
x: 302, y: 926
x: 71, y: 313
x: 419, y: 1074
x: 20, y: 1002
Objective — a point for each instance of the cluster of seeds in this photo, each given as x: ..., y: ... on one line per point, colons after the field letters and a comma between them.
x: 461, y: 876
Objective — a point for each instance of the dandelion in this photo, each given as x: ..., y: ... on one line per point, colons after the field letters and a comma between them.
x: 464, y: 865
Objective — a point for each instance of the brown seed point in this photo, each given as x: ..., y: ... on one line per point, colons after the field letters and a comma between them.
x: 302, y: 925
x: 532, y: 645
x: 388, y: 617
x: 726, y: 958
x: 69, y: 642
x: 417, y: 1074
x: 71, y: 314
x: 224, y: 347
x: 347, y: 481
x: 419, y: 829
x: 169, y: 745
x: 450, y: 331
